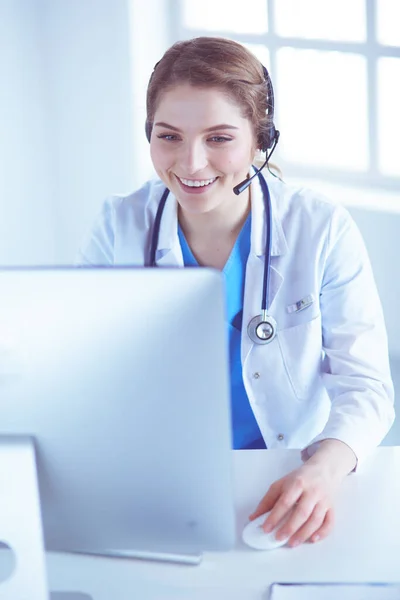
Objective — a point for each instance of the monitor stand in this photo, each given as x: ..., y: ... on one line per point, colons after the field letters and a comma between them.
x: 21, y: 526
x: 20, y: 519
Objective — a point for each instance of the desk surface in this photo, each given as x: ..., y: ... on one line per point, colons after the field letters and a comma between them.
x: 364, y: 546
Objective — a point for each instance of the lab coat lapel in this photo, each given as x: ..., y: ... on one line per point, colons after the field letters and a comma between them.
x: 276, y: 280
x: 169, y: 252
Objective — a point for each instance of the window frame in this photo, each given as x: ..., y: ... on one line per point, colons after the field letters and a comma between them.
x: 370, y: 49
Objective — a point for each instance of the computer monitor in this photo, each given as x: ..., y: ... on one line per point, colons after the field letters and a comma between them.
x: 120, y: 377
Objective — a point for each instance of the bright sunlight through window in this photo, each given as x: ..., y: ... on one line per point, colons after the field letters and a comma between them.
x: 335, y: 67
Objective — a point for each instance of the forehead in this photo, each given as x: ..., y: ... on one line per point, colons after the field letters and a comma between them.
x: 212, y: 105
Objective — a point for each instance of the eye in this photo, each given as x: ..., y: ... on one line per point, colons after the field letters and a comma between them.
x: 169, y: 137
x: 220, y: 139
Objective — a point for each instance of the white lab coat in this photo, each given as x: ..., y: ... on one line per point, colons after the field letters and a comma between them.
x: 326, y: 374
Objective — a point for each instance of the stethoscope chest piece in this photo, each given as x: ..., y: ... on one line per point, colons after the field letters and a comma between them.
x: 262, y: 329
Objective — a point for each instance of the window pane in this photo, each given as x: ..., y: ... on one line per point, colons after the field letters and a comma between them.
x: 321, y: 102
x: 343, y: 20
x: 388, y: 22
x: 226, y: 15
x: 261, y: 52
x: 388, y: 115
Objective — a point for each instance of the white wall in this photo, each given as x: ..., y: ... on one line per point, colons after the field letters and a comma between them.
x: 27, y: 214
x: 100, y: 56
x: 67, y: 132
x: 89, y: 69
x: 150, y: 37
x: 73, y: 113
x: 381, y: 232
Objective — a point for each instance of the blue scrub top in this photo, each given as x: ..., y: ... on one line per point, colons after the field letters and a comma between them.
x: 246, y: 433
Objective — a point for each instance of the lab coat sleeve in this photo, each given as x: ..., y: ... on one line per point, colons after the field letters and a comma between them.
x: 97, y: 248
x: 355, y: 368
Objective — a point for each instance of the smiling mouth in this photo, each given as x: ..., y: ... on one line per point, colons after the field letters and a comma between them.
x: 196, y: 183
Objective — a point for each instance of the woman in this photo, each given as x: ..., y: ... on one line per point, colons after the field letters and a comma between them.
x: 322, y: 384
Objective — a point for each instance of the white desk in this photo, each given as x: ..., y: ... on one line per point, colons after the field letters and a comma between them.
x: 365, y: 545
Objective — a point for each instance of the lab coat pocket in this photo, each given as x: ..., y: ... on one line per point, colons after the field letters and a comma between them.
x: 301, y: 347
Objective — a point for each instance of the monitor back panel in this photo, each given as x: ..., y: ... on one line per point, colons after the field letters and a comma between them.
x: 121, y: 377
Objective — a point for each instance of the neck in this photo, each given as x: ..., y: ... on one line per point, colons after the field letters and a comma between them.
x: 226, y: 220
x: 211, y: 236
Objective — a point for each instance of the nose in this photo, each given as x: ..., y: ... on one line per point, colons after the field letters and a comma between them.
x: 193, y: 157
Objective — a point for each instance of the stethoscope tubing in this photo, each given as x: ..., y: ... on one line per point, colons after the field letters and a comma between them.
x: 156, y: 230
x: 268, y: 242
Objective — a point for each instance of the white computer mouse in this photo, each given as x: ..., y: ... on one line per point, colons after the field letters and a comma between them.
x: 253, y: 535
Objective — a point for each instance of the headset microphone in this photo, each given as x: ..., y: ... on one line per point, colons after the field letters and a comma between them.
x: 243, y: 185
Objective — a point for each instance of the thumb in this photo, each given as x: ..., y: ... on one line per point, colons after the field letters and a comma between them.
x: 267, y: 503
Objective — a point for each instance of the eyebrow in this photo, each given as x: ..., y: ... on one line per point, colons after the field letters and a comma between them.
x: 213, y: 128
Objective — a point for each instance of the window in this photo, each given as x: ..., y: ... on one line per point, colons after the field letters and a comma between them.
x: 335, y: 66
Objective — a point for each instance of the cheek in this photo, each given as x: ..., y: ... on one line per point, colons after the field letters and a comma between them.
x: 237, y: 160
x: 158, y: 157
x: 154, y: 155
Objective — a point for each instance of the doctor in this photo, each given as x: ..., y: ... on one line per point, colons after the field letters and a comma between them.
x: 315, y: 375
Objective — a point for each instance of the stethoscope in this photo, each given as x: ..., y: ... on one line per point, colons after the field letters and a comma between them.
x: 262, y: 328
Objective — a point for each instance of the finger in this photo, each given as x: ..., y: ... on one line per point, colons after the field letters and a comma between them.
x: 310, y: 527
x: 299, y: 516
x: 267, y: 502
x: 325, y: 528
x: 282, y: 507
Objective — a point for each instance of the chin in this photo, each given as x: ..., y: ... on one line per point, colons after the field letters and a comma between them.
x: 197, y: 205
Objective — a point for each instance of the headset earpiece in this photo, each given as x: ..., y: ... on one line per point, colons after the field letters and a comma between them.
x: 271, y: 136
x: 268, y: 138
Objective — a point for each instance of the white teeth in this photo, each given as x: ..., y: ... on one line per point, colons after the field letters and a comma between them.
x: 198, y: 182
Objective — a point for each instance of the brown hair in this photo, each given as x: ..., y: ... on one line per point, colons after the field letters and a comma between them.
x: 214, y: 62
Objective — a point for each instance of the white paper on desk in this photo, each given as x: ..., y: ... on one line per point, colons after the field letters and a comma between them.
x: 335, y: 591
